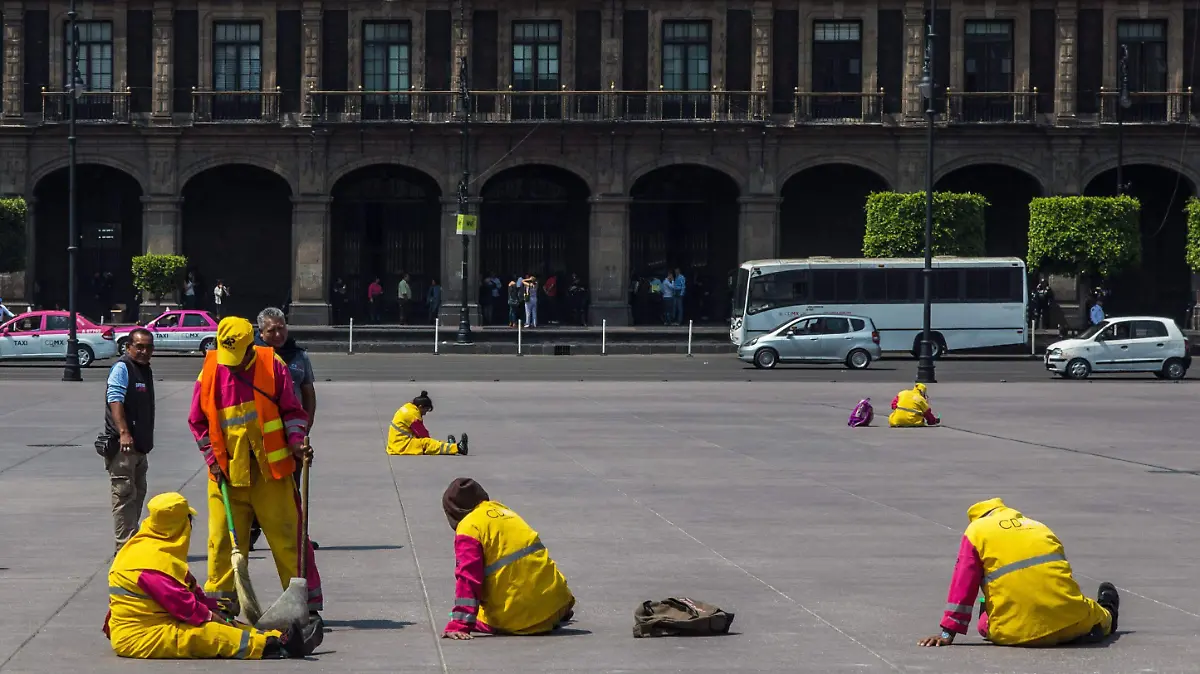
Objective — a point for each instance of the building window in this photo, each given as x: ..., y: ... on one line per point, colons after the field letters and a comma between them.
x: 836, y: 69
x: 536, y: 57
x: 386, y: 56
x: 1145, y: 71
x: 987, y: 67
x: 237, y: 57
x: 95, y: 55
x: 686, y: 57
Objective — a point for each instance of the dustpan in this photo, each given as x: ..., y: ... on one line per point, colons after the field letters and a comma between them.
x: 292, y: 605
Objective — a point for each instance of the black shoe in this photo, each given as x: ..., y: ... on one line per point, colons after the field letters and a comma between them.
x: 462, y: 445
x: 274, y: 649
x: 300, y: 641
x: 1108, y: 597
x: 255, y: 533
x: 450, y: 439
x: 316, y: 545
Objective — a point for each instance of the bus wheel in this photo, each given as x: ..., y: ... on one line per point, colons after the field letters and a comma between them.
x: 938, y: 346
x: 766, y: 359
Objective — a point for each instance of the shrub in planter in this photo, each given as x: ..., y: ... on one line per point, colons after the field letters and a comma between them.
x: 1094, y: 237
x: 158, y: 275
x: 896, y: 224
x: 13, y: 212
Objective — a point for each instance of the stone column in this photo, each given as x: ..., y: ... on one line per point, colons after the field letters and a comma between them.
x: 758, y: 227
x: 610, y: 45
x: 1064, y: 86
x: 310, y: 260
x: 311, y: 75
x: 608, y: 260
x: 763, y: 13
x: 914, y: 59
x: 14, y: 60
x: 162, y: 99
x: 452, y: 274
x: 162, y: 233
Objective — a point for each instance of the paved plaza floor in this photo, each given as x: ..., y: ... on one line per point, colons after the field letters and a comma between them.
x: 833, y: 546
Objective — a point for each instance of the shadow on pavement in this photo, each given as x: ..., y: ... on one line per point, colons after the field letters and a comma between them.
x: 358, y: 548
x: 367, y: 624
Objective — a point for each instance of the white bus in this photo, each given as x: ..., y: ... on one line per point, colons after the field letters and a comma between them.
x: 977, y: 301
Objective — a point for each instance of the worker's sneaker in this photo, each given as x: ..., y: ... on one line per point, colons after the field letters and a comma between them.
x: 300, y: 641
x: 1108, y: 597
x: 462, y: 445
x: 255, y: 533
x: 450, y: 439
x: 274, y: 649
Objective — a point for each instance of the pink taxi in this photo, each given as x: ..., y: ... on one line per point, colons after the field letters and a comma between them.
x: 179, y: 330
x: 43, y: 335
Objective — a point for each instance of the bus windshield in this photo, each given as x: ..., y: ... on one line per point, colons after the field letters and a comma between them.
x: 739, y: 293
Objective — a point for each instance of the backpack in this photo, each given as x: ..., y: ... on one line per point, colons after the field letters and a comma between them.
x: 679, y: 617
x: 862, y: 415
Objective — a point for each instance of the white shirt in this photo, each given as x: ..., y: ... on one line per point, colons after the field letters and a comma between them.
x: 218, y: 293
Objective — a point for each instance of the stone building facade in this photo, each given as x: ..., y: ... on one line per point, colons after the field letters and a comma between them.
x: 284, y: 146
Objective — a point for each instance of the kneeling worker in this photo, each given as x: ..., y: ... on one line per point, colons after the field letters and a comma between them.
x: 157, y: 611
x: 504, y: 580
x: 1030, y: 597
x: 910, y: 408
x: 408, y: 435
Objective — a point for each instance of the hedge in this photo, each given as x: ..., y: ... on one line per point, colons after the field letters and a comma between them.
x: 1084, y: 236
x: 12, y: 234
x: 158, y: 275
x: 1193, y: 233
x: 896, y: 224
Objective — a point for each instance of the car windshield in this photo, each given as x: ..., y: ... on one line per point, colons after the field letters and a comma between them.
x: 785, y: 324
x: 1091, y: 332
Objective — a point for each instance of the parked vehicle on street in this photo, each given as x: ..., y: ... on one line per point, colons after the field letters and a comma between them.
x: 43, y: 335
x: 180, y: 330
x: 1125, y: 344
x: 821, y: 338
x: 978, y: 302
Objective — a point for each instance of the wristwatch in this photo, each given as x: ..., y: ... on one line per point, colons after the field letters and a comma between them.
x: 946, y: 634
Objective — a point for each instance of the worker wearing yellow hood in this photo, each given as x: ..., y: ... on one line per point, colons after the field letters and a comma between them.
x: 1029, y: 595
x: 156, y: 609
x: 911, y: 408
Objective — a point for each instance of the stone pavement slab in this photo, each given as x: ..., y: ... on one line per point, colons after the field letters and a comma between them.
x: 833, y: 545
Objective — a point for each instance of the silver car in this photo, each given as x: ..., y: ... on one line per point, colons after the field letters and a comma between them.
x: 852, y: 340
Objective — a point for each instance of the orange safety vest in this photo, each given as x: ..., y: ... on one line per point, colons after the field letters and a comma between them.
x: 279, y: 456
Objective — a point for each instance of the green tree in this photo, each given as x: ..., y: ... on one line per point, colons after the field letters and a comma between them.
x: 1193, y: 233
x: 158, y: 275
x: 13, y: 211
x: 896, y: 224
x: 1084, y: 236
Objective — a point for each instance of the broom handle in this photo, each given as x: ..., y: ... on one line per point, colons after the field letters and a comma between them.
x: 304, y: 507
x: 228, y: 512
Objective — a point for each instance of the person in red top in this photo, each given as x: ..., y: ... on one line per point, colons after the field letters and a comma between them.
x: 374, y: 300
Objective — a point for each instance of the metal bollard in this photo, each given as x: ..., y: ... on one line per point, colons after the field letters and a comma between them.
x: 689, y: 353
x: 352, y: 336
x: 437, y: 325
x: 1032, y: 340
x: 519, y: 339
x: 604, y: 337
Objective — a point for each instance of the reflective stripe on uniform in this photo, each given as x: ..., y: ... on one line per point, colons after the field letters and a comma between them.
x: 272, y: 426
x: 1024, y: 564
x: 462, y: 617
x: 244, y: 647
x: 464, y: 601
x: 122, y: 592
x: 959, y: 608
x: 278, y: 455
x: 401, y: 431
x: 240, y: 420
x: 964, y: 623
x: 512, y: 557
x: 294, y: 424
x: 906, y: 409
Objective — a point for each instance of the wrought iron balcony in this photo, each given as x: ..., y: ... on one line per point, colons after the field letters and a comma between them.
x: 506, y: 107
x: 991, y: 107
x: 838, y: 107
x: 91, y: 107
x: 235, y: 107
x: 1146, y: 107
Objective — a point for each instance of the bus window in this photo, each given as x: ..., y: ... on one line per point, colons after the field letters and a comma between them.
x: 874, y: 285
x: 847, y: 286
x: 739, y: 291
x: 899, y: 284
x: 945, y: 284
x: 1006, y: 285
x: 824, y: 286
x: 777, y: 290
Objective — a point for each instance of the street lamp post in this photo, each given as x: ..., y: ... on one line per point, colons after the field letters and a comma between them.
x: 1123, y: 104
x: 464, y: 110
x: 71, y: 369
x: 925, y: 368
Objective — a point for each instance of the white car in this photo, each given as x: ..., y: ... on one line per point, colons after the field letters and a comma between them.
x: 1126, y: 344
x: 43, y: 335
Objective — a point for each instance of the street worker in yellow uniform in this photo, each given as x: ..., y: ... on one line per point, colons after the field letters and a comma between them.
x: 504, y: 580
x: 910, y: 408
x: 155, y: 609
x: 1029, y: 595
x: 250, y: 427
x: 409, y: 436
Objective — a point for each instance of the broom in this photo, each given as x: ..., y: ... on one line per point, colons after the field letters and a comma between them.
x: 241, y: 567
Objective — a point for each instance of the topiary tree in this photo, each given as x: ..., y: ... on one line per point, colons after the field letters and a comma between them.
x: 13, y: 211
x: 158, y: 275
x: 896, y: 224
x: 1193, y: 233
x: 1084, y: 236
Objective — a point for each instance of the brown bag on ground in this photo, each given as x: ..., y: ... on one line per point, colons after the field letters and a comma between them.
x: 679, y: 617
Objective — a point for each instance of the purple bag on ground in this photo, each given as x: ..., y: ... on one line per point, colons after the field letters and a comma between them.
x: 862, y: 415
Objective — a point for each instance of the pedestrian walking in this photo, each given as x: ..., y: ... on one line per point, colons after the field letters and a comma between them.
x: 220, y: 294
x: 434, y: 300
x: 404, y: 298
x: 129, y: 432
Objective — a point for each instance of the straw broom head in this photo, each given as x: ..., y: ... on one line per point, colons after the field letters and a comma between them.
x: 245, y: 590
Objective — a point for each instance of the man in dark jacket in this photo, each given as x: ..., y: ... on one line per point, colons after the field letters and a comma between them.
x: 129, y: 432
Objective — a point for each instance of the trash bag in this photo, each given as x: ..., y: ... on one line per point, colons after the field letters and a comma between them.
x: 862, y: 415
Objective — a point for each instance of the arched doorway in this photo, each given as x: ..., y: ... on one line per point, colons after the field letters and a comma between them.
x: 109, y: 218
x: 683, y: 216
x: 1163, y: 282
x: 386, y: 223
x: 1008, y: 191
x: 534, y: 219
x: 824, y: 210
x: 237, y: 227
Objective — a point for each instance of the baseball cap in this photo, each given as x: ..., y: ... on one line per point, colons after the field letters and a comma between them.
x: 234, y: 336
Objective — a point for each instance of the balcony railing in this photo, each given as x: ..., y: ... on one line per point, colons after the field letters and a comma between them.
x: 355, y: 107
x: 849, y: 107
x: 991, y: 107
x: 91, y: 107
x: 235, y: 107
x: 1170, y: 107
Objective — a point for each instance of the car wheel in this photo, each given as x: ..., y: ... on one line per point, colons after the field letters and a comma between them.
x: 122, y: 344
x: 1079, y: 369
x: 858, y: 360
x: 85, y: 355
x: 766, y: 359
x: 1174, y: 369
x: 208, y: 344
